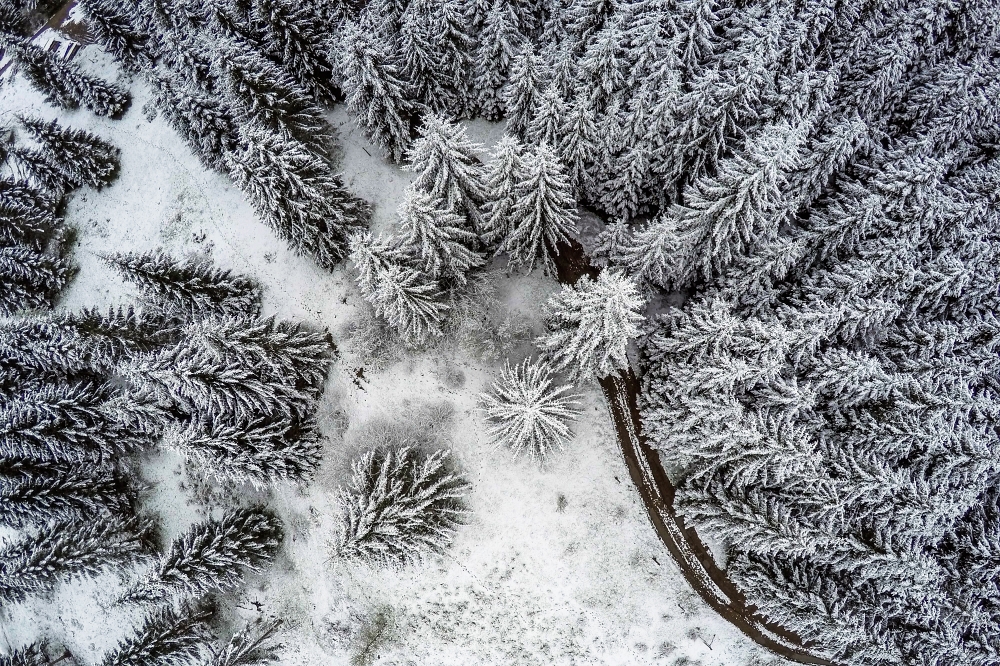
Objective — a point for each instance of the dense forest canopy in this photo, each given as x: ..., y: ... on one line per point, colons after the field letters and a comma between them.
x: 818, y: 179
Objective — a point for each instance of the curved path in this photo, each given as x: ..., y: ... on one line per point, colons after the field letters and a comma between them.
x: 686, y: 547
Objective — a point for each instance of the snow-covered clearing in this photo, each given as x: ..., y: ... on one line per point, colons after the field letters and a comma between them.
x: 557, y: 563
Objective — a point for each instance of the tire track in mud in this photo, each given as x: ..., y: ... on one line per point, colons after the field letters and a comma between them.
x: 692, y: 556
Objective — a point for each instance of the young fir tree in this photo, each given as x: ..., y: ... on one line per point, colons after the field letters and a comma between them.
x: 448, y: 168
x: 438, y: 237
x: 193, y: 286
x: 527, y: 411
x: 115, y: 30
x: 590, y: 324
x: 297, y: 196
x: 405, y: 297
x: 376, y: 96
x: 211, y: 557
x: 30, y: 279
x: 523, y: 91
x: 295, y: 32
x: 67, y: 550
x: 503, y: 174
x: 204, y: 121
x: 63, y: 83
x: 167, y: 637
x: 399, y: 507
x: 254, y: 645
x: 544, y: 213
x: 499, y: 43
x: 83, y: 158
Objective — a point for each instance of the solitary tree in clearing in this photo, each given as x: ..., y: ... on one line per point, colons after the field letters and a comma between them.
x: 527, y: 411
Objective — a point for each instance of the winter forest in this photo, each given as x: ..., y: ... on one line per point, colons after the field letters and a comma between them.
x: 413, y: 332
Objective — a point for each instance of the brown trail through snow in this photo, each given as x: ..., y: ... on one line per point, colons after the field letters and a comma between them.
x: 689, y: 552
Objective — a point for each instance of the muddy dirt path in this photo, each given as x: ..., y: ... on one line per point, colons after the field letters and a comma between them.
x: 689, y: 552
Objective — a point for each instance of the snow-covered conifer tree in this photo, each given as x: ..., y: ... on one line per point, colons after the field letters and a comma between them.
x: 83, y: 158
x: 503, y: 174
x: 549, y: 118
x: 448, y: 168
x: 400, y: 506
x: 30, y: 279
x: 63, y: 83
x: 264, y: 95
x: 297, y: 196
x: 418, y: 58
x: 69, y: 549
x: 167, y: 637
x: 192, y: 285
x: 375, y: 94
x: 38, y: 166
x: 499, y: 43
x: 544, y: 213
x: 438, y: 236
x: 254, y: 645
x: 402, y: 295
x: 281, y: 351
x: 454, y: 47
x: 523, y: 91
x: 261, y: 450
x: 116, y: 32
x: 579, y: 141
x: 590, y: 324
x: 34, y: 497
x: 527, y: 411
x: 205, y: 121
x: 295, y: 32
x: 211, y: 556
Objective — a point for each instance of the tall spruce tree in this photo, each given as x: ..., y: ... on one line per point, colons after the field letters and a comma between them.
x: 523, y: 91
x: 296, y: 195
x: 448, y: 168
x: 544, y: 212
x: 193, y: 286
x: 81, y: 157
x: 69, y: 549
x: 499, y: 43
x: 439, y: 237
x: 376, y: 96
x: 211, y: 556
x: 296, y: 33
x: 116, y: 31
x: 63, y: 83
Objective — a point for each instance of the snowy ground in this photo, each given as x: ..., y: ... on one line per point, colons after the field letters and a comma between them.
x: 556, y: 565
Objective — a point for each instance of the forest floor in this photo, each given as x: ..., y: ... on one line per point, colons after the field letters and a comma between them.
x: 556, y: 564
